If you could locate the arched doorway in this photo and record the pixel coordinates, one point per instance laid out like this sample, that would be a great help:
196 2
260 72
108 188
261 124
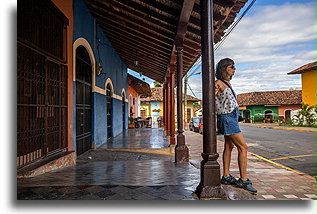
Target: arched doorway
268 116
83 100
123 111
131 106
246 116
109 110
287 114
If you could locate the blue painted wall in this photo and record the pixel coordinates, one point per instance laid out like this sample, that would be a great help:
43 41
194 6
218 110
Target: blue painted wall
113 67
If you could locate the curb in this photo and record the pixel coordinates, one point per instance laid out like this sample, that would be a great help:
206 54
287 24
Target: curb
160 151
290 129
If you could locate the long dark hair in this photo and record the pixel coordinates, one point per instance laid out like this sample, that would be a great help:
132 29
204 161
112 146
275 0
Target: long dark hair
221 68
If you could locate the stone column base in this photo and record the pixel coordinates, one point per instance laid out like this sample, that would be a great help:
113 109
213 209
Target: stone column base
181 150
211 193
181 153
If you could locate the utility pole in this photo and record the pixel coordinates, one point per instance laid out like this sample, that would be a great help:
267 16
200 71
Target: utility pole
185 101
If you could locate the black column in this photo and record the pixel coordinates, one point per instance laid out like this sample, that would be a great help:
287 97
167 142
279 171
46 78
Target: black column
209 186
181 150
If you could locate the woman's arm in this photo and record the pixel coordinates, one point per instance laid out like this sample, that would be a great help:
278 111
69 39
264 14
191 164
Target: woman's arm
217 87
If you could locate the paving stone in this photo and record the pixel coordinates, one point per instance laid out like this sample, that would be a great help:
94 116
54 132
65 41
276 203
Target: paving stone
268 196
113 175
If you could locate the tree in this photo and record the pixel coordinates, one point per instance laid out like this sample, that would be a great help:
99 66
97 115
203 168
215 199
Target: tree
305 116
157 84
196 105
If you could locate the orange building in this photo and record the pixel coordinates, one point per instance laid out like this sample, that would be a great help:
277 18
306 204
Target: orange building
44 80
136 89
66 7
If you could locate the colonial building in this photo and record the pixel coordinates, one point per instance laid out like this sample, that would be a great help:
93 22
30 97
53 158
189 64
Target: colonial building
308 74
71 83
136 89
72 60
153 106
269 106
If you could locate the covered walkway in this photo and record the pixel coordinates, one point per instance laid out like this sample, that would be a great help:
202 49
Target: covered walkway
118 171
145 170
113 173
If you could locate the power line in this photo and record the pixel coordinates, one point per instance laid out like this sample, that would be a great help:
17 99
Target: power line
192 91
234 25
198 62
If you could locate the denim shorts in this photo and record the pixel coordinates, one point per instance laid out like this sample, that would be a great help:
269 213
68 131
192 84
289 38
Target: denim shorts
227 124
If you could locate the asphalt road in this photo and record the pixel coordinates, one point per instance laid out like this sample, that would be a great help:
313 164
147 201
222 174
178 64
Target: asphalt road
294 149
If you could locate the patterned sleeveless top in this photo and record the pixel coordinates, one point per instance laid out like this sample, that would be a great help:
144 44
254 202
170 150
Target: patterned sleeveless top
225 102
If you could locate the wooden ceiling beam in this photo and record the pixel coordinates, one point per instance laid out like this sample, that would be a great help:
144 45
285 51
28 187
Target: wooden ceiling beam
145 50
141 61
122 8
131 21
111 23
163 7
134 38
156 68
150 75
184 16
151 13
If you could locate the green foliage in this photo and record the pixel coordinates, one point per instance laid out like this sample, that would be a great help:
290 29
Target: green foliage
157 84
196 105
131 119
305 116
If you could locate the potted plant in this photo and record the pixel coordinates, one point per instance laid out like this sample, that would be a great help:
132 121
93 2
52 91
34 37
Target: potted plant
131 122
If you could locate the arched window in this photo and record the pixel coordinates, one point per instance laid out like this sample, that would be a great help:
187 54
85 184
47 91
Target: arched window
109 110
123 111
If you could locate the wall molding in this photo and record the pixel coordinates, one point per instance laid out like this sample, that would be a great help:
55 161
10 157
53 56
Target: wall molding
94 88
85 43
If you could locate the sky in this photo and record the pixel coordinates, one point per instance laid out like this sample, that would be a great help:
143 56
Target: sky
272 39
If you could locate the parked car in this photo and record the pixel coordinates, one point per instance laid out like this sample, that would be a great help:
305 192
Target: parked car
193 124
200 126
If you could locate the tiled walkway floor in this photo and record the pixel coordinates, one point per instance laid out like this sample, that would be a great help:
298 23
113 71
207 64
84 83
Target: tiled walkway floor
272 182
106 175
138 138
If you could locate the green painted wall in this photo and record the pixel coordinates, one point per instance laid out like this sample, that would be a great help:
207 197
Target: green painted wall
254 110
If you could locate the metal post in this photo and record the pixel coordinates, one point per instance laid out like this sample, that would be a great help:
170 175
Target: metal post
181 150
185 101
209 186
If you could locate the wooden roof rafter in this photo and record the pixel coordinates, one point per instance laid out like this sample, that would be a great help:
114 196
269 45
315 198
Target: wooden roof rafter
146 30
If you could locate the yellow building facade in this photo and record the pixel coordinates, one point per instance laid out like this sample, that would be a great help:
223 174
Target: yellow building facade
309 87
308 76
153 106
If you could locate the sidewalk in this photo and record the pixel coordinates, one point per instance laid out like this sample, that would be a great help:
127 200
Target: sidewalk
123 175
276 126
273 182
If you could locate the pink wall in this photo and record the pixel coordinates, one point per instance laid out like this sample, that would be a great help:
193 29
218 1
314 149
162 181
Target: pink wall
134 95
281 109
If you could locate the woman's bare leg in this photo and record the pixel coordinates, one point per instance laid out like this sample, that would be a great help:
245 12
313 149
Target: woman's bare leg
239 142
226 158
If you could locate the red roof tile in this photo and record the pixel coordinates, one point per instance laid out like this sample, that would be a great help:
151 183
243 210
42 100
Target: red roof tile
270 98
157 95
308 67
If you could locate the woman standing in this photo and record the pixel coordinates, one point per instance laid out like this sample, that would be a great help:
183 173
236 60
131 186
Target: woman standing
227 123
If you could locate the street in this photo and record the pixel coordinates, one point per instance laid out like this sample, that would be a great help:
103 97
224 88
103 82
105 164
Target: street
294 149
